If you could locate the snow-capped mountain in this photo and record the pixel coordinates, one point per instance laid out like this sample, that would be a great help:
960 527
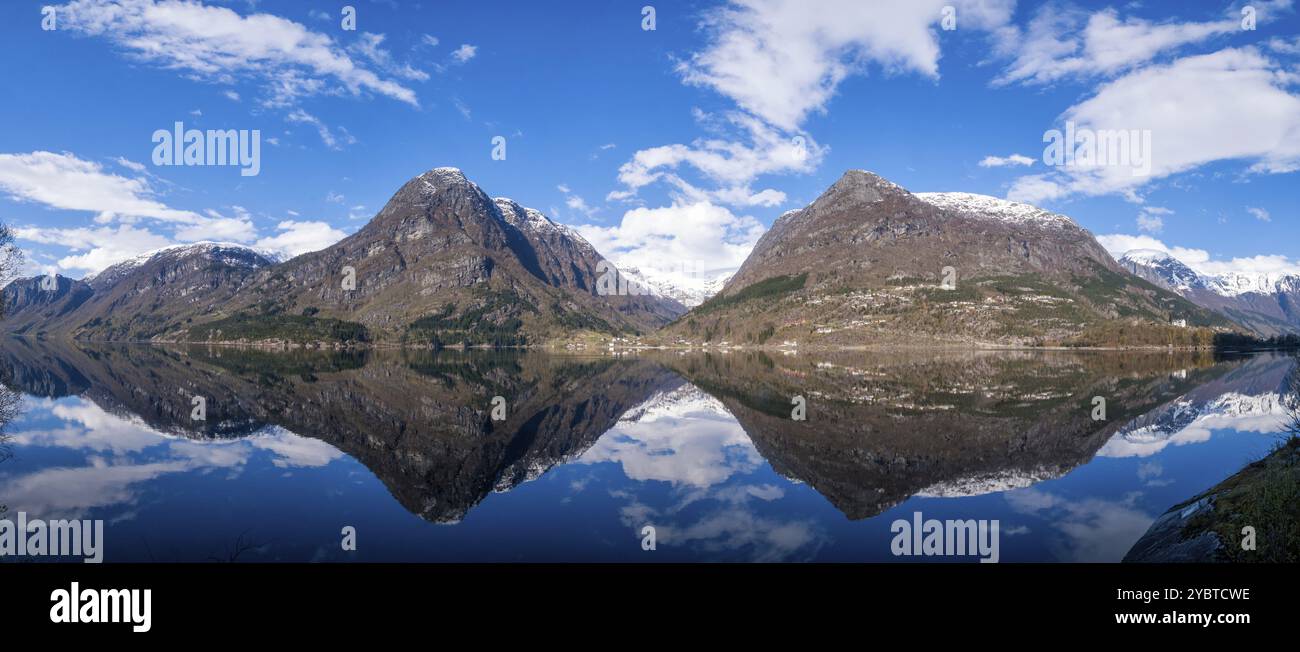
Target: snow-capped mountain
688 287
1003 210
1162 269
235 255
1266 302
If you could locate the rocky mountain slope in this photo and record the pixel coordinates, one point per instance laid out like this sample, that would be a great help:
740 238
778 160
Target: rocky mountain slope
442 263
1268 304
869 262
151 296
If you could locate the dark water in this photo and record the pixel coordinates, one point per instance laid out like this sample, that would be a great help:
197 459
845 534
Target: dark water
402 447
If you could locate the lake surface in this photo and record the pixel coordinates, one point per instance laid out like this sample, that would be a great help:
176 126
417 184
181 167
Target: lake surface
403 447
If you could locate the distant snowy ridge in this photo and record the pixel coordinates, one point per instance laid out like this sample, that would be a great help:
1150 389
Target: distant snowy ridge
1002 210
1180 276
183 250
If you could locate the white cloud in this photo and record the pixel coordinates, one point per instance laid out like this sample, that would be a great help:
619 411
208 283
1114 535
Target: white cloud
430 40
368 45
66 182
1150 223
1260 214
326 135
699 236
575 202
219 45
781 60
464 53
1004 161
297 238
94 249
731 164
1200 259
1063 42
1229 105
130 165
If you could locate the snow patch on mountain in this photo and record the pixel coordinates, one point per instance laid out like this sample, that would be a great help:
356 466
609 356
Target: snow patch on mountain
222 249
991 483
688 287
1003 210
1180 276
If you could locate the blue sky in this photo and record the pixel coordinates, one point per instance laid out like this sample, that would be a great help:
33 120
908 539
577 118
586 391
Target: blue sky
673 146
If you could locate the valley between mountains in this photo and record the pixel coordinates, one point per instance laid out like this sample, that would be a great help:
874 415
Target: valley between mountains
868 263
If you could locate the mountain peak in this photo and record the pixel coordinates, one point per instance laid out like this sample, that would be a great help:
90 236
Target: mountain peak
1146 256
863 179
856 188
445 178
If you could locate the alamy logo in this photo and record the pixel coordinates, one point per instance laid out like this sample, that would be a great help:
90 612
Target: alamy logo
57 538
612 283
1083 147
78 605
233 147
950 538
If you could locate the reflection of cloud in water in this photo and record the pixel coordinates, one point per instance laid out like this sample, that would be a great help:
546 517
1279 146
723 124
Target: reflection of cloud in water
1263 414
688 439
87 426
293 451
684 437
1092 529
114 479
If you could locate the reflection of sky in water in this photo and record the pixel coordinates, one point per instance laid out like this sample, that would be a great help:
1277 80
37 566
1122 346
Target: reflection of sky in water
679 462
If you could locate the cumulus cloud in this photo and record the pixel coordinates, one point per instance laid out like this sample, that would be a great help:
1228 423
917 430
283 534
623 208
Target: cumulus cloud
780 61
1200 259
1229 105
94 249
700 237
219 45
297 238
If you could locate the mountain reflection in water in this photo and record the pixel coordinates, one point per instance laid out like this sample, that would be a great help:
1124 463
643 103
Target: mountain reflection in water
402 446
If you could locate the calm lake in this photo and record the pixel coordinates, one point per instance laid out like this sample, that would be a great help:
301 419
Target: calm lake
403 446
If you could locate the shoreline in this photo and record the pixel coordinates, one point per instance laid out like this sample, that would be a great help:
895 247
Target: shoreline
605 347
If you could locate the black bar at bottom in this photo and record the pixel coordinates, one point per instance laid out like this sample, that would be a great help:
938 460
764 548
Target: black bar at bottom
235 600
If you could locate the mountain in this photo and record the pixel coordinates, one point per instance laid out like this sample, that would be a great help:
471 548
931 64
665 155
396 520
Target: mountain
1267 303
689 288
152 296
442 263
32 303
866 263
